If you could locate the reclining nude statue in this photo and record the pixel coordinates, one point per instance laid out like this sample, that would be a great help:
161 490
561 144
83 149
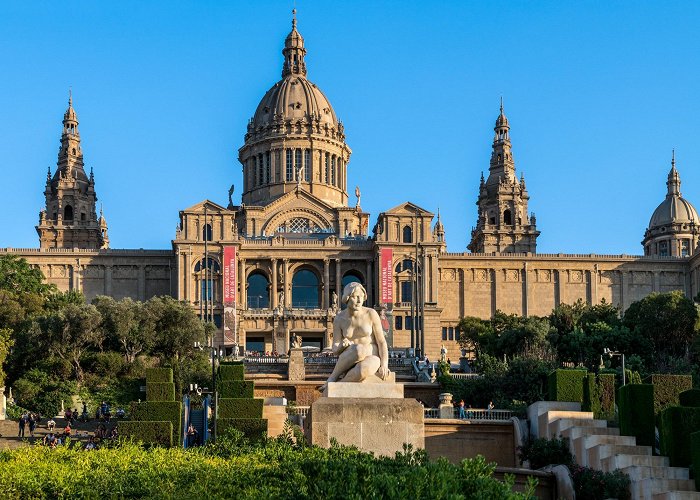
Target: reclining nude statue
358 341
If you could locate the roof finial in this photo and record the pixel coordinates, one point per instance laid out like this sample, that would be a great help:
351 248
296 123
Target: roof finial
673 158
501 104
70 97
294 18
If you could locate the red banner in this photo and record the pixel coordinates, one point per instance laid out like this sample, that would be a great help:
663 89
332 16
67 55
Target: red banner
230 275
386 276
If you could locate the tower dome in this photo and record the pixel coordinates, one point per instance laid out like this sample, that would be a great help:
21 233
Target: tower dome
294 140
673 227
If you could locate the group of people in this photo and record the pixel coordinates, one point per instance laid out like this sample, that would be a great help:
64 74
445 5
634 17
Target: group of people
468 412
30 420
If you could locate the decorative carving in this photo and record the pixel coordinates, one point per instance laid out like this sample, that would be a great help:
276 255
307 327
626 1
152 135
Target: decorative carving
576 276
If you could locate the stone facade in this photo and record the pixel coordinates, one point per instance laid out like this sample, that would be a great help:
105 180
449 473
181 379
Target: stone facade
299 240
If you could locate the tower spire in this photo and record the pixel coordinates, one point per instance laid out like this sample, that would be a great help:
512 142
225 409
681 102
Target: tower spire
294 51
674 179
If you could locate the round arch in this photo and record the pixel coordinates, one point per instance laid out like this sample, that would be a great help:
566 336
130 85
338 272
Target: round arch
258 290
306 289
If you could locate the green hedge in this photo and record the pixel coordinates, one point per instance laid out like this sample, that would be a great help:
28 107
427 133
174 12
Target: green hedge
148 432
695 457
690 398
599 395
676 425
159 375
636 412
160 391
235 389
231 371
566 385
667 388
160 411
254 428
240 408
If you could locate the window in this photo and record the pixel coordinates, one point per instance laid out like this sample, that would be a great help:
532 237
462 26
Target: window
507 217
290 167
398 322
261 170
404 265
305 290
333 170
82 215
663 248
444 333
685 248
408 323
207 284
407 234
267 167
297 162
350 277
206 287
451 333
258 291
327 167
406 291
255 171
206 232
255 344
307 165
68 213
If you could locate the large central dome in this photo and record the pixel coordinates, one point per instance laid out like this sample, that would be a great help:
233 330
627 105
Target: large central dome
294 140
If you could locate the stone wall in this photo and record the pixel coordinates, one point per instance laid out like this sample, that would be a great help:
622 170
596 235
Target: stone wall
456 440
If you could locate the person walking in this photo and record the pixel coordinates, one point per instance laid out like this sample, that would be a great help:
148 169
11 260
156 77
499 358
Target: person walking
462 415
32 424
22 424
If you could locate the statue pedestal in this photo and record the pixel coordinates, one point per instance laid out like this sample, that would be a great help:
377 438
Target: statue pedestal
296 369
380 425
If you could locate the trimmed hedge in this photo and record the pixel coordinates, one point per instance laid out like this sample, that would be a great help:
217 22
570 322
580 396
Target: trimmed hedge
690 398
566 385
159 375
231 371
160 391
240 408
235 389
667 388
695 457
255 429
153 433
677 424
599 395
636 412
160 411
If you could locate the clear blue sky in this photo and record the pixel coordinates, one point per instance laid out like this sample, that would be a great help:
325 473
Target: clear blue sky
597 94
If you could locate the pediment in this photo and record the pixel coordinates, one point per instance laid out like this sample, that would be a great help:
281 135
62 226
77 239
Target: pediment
298 205
211 207
408 208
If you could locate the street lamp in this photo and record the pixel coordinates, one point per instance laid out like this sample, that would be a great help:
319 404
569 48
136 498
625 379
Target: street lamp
610 353
215 353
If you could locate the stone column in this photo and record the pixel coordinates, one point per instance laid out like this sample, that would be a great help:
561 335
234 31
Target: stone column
187 278
526 308
326 283
594 284
242 280
656 281
624 279
369 278
142 282
3 404
108 281
273 285
76 275
286 285
338 280
556 275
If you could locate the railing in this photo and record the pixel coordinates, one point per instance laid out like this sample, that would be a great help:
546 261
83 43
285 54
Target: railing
321 360
399 362
465 376
266 360
302 411
472 414
431 413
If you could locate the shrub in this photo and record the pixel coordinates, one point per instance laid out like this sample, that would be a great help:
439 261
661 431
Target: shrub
159 375
636 412
229 370
566 385
542 451
695 457
676 425
160 391
147 432
690 398
240 408
254 429
667 388
160 411
597 485
599 395
235 389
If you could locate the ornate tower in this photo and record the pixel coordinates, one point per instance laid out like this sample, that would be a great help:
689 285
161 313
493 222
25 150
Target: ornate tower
294 140
503 224
70 219
673 228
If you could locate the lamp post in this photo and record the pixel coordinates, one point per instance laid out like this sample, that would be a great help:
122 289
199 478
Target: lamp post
215 353
610 353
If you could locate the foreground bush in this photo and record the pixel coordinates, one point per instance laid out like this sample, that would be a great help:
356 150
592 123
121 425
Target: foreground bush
541 452
597 485
235 469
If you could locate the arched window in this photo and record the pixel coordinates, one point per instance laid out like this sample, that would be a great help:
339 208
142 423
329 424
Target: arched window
290 167
206 232
507 217
407 234
68 213
352 277
305 290
258 291
404 265
207 278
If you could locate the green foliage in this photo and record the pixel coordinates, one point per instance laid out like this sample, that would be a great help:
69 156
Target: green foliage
667 388
17 276
695 457
542 451
41 392
567 385
148 432
254 429
160 411
127 325
599 395
159 375
235 389
240 408
636 412
229 370
593 484
277 469
690 398
676 425
6 343
160 391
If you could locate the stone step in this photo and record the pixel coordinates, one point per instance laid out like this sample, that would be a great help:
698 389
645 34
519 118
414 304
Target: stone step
541 407
546 418
647 488
556 427
580 446
613 462
639 472
601 451
677 495
573 433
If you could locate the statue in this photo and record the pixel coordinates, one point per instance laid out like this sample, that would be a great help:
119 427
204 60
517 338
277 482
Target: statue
296 342
230 197
298 172
280 300
334 301
357 193
358 340
443 353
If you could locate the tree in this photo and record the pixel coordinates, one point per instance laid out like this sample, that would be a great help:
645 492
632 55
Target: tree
17 276
475 333
5 345
126 324
176 326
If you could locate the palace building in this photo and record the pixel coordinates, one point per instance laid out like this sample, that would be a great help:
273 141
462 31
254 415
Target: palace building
275 265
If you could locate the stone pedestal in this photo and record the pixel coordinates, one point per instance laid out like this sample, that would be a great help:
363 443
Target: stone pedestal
446 408
295 368
3 404
377 425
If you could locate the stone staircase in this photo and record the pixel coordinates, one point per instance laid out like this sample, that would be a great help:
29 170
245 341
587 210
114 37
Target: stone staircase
276 416
595 445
